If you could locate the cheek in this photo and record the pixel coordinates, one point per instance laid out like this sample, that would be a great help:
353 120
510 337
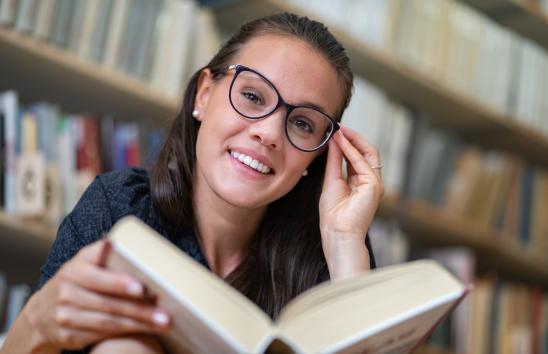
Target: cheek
296 163
218 126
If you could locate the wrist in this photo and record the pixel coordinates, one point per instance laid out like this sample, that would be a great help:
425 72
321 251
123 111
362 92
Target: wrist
26 336
346 255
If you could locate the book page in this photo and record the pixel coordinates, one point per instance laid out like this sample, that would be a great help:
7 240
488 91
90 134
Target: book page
340 315
209 315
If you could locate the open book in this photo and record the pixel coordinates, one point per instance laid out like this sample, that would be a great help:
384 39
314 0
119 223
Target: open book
390 310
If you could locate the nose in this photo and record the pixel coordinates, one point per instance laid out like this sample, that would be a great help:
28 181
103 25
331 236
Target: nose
269 131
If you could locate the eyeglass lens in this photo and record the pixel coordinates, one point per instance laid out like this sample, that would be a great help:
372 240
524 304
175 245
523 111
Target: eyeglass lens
253 97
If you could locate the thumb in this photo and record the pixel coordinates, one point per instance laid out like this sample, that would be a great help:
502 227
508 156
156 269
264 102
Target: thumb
97 253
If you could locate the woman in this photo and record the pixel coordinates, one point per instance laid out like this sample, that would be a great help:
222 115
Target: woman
249 183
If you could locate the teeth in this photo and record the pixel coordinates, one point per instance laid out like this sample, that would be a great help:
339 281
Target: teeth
249 161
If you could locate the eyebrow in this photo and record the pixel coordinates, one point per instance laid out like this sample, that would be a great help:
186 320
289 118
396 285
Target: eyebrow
312 105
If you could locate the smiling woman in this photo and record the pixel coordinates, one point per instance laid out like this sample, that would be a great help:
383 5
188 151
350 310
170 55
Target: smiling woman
249 183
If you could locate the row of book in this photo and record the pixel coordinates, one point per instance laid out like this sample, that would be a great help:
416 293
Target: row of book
489 188
12 299
49 157
455 46
496 317
161 42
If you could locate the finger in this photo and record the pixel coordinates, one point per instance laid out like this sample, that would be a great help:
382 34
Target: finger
101 280
350 170
364 147
85 299
333 168
353 156
75 318
361 144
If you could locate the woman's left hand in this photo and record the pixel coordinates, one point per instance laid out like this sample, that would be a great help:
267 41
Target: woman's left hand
347 206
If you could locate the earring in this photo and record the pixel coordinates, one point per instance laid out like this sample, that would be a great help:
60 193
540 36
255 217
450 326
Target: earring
195 113
305 173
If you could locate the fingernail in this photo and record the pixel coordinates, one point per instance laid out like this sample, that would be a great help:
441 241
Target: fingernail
160 318
135 288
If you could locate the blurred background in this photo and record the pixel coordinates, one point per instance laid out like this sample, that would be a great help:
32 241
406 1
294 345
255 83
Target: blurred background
454 95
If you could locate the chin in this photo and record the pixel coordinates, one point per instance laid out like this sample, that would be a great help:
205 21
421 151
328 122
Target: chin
244 196
243 202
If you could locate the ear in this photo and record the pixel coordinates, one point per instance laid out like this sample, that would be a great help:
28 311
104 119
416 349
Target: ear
204 86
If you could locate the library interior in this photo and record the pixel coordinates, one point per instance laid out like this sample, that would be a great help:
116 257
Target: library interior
452 93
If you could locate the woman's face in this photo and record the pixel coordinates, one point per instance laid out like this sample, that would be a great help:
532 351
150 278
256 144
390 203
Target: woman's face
302 76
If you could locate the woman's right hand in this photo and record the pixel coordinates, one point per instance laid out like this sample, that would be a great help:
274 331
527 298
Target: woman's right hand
85 303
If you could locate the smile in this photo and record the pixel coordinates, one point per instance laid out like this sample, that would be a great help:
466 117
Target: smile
250 162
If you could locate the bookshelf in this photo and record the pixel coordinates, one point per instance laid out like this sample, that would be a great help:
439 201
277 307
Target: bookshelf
475 122
29 64
430 349
525 17
433 226
24 246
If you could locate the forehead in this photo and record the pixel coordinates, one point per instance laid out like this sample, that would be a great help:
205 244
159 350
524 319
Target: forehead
299 72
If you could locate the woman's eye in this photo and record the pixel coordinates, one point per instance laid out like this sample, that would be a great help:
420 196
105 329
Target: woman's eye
303 125
252 97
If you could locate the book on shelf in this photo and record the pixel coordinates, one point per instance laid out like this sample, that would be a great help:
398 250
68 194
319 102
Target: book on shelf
388 310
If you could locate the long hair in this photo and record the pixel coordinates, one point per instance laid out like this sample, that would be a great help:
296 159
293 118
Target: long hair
285 256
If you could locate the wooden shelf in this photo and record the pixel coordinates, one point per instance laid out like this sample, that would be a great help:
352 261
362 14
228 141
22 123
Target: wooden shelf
526 18
26 232
433 226
40 71
475 122
430 349
24 246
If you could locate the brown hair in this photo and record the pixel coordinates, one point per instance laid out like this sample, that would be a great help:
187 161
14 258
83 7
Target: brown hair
286 254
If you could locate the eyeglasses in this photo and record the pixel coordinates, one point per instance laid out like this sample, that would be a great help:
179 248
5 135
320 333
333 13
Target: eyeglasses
255 97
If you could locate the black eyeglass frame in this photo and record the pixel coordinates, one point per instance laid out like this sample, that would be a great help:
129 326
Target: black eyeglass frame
238 68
